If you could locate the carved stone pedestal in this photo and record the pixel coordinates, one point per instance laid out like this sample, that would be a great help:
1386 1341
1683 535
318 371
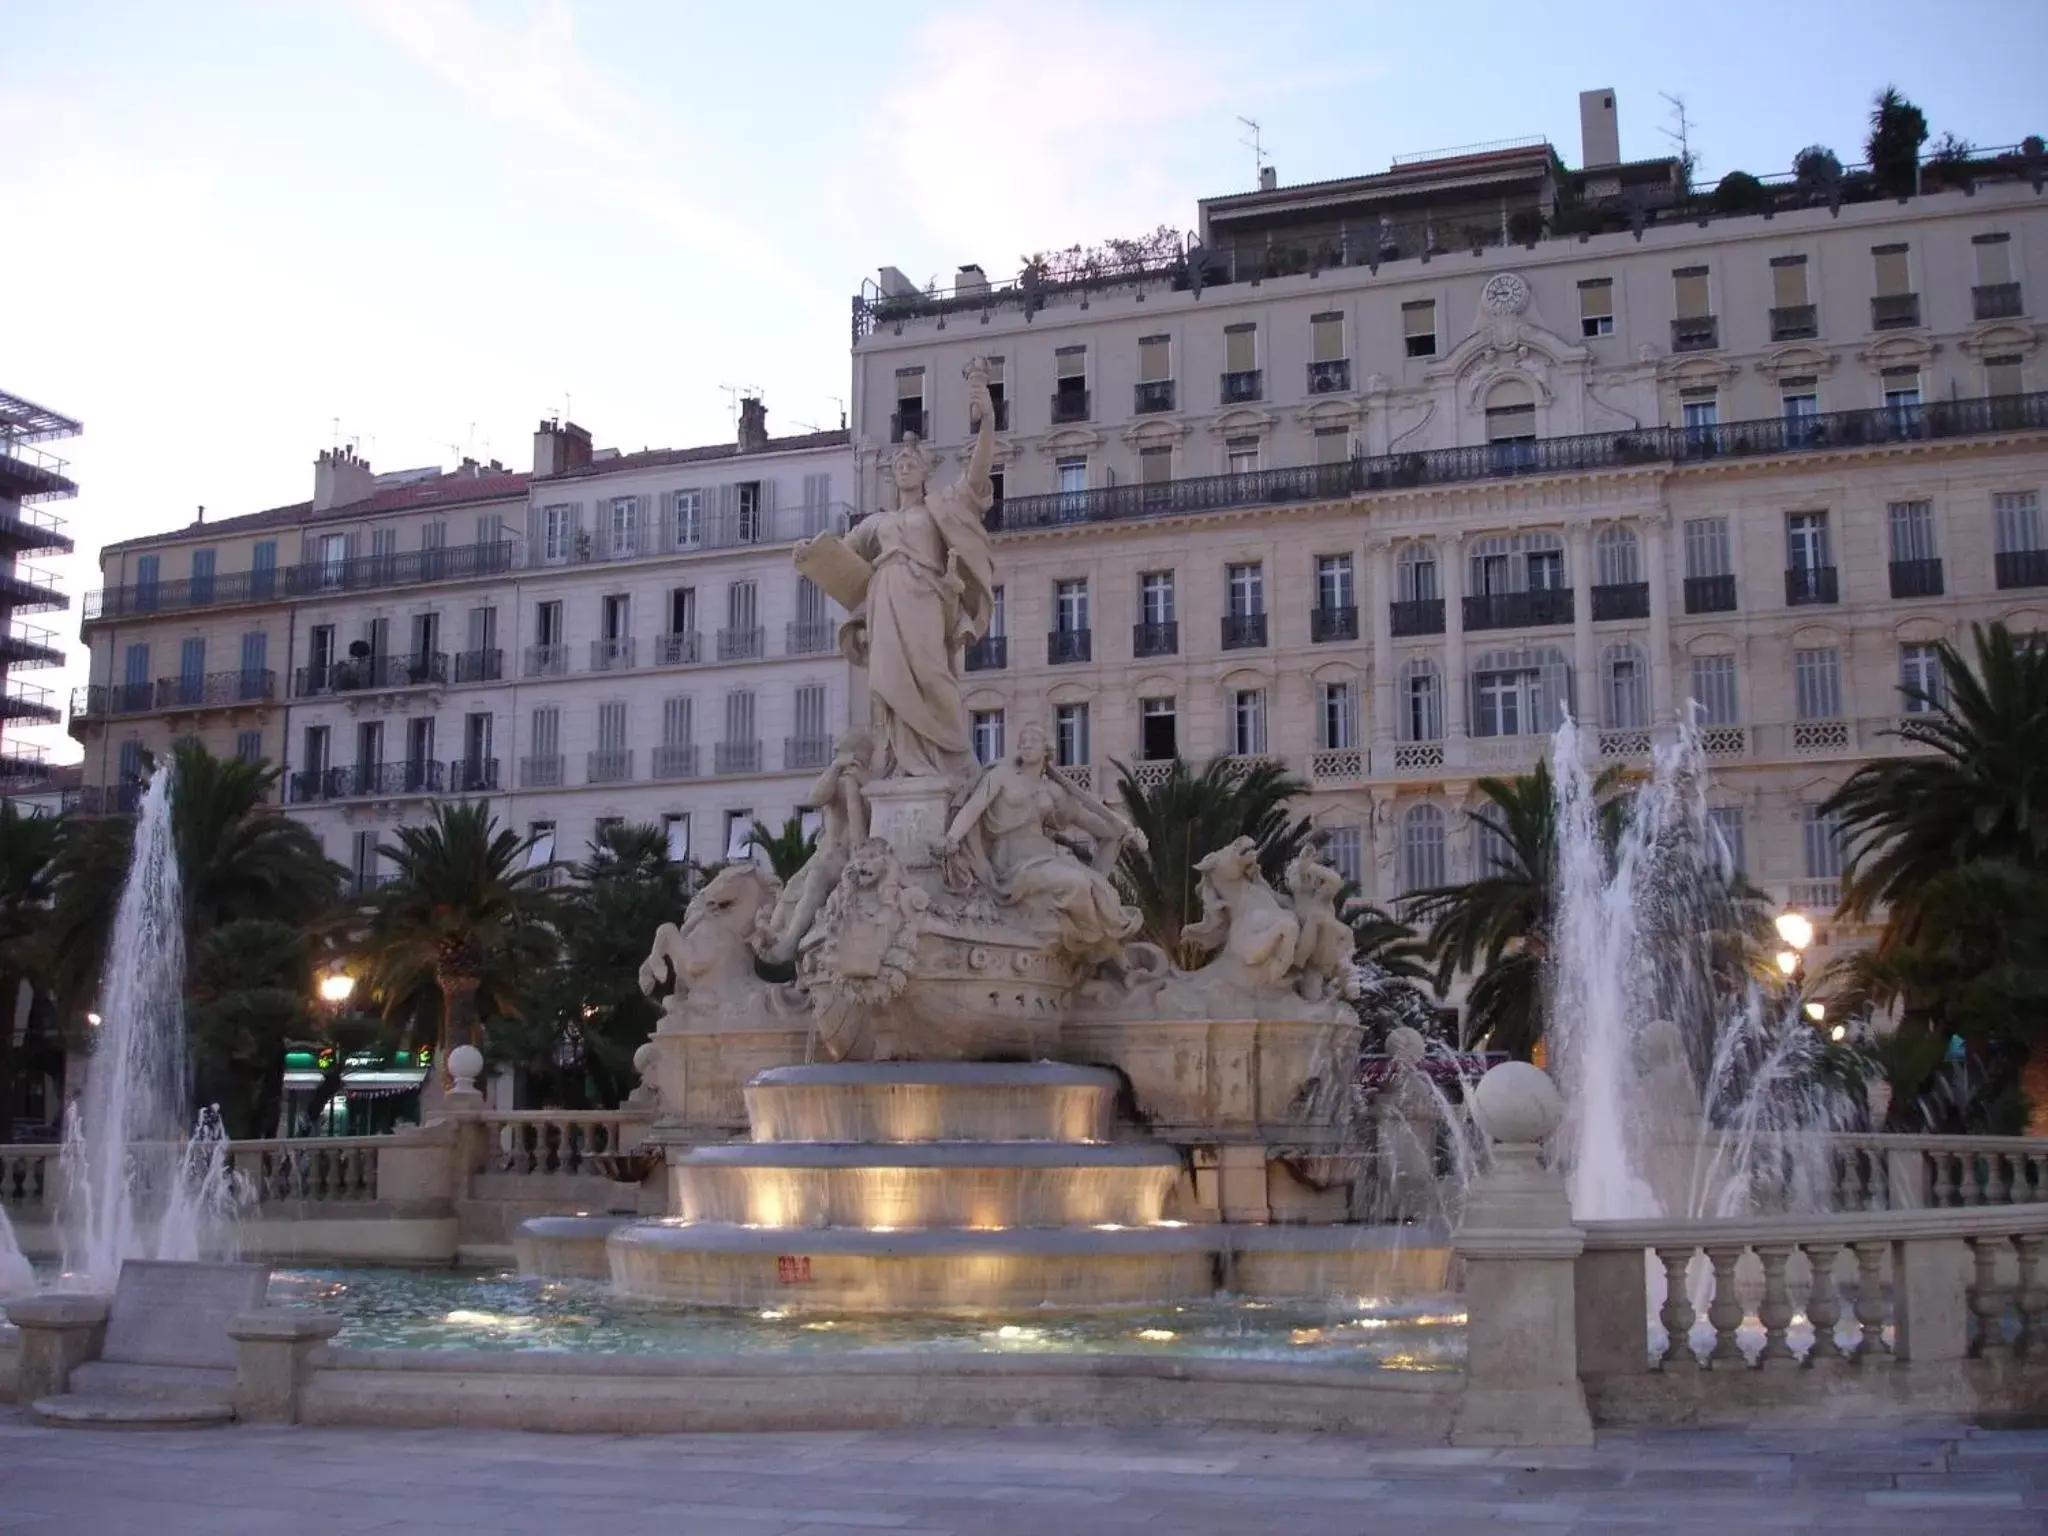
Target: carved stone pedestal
909 815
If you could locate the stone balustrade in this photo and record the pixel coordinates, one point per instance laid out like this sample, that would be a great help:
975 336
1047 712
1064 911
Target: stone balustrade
1919 1172
316 1170
552 1143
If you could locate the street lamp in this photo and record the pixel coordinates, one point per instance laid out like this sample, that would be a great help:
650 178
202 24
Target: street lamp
336 988
1795 928
1817 1012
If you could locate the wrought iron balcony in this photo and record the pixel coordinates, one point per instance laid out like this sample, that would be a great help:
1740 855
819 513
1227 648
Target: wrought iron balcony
33 531
1417 616
609 765
1069 405
1243 631
1330 377
543 771
361 674
1153 395
364 573
737 757
1894 311
805 753
1767 437
105 799
1809 584
363 781
1519 610
991 653
547 660
479 666
1696 333
1710 594
1916 578
1063 646
742 644
1794 322
811 637
1243 386
905 420
613 655
99 700
216 689
1996 301
675 760
28 590
681 648
1327 624
473 776
2021 568
1155 639
1622 600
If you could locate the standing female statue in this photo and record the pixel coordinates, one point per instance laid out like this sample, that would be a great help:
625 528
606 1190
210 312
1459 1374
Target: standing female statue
918 581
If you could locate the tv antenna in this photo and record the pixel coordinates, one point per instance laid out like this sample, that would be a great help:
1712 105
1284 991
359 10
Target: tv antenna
1681 136
1252 142
735 393
836 400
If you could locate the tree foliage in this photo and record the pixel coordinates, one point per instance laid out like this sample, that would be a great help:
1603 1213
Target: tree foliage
787 848
29 847
249 996
1897 130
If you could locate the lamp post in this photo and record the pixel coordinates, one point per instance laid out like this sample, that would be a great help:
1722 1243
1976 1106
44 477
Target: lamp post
336 988
1795 931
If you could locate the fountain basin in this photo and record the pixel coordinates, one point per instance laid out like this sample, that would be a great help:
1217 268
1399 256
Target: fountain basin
934 1101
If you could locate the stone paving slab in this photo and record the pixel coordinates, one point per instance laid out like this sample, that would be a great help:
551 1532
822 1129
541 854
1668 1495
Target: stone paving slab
1946 1477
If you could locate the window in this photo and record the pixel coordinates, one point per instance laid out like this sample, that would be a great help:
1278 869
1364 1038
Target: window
476 745
1070 736
318 747
1072 476
1707 551
1335 588
1344 848
1921 681
1155 465
203 564
687 512
1326 337
1245 589
426 640
1155 359
1520 692
1422 849
2018 515
996 609
988 735
1415 574
1158 730
1901 388
739 717
363 858
1618 556
611 726
547 623
369 751
1893 273
910 403
1333 445
1241 455
419 747
675 836
1422 700
249 746
808 708
1070 384
1823 838
1418 327
1701 408
540 844
1817 683
1625 688
263 569
739 833
1800 399
1070 606
1689 293
1725 823
742 606
557 530
1596 307
1523 562
1912 530
615 616
545 733
1240 348
1713 689
682 611
129 769
1511 413
1994 258
1155 597
191 666
1806 541
1248 722
1337 715
678 721
1788 282
625 526
2002 376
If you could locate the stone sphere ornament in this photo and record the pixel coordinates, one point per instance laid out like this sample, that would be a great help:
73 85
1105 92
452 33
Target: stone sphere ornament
465 1065
1517 1104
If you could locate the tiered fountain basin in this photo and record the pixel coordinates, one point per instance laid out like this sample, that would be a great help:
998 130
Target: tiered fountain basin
954 1187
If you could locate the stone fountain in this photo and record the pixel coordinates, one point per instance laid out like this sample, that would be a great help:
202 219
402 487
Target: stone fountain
980 1089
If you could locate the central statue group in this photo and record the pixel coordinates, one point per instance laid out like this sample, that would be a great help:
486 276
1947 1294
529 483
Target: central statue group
959 910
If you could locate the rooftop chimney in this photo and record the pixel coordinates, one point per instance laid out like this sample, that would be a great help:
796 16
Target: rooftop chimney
341 478
753 426
1269 178
1599 129
560 446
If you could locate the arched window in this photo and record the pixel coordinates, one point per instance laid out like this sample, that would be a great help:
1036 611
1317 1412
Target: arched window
1516 562
1422 701
1617 556
1422 849
1415 574
1624 688
1495 853
1524 692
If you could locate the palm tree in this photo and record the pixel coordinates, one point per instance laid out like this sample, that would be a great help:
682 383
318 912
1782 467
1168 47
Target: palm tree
251 996
787 849
1982 794
464 915
28 850
1187 816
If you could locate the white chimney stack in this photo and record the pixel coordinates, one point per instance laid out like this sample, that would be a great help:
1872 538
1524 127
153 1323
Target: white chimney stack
1599 129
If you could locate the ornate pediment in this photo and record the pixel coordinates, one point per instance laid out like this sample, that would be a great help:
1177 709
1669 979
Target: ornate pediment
1155 431
1798 361
1243 421
2001 338
1331 411
1064 442
1507 334
1899 351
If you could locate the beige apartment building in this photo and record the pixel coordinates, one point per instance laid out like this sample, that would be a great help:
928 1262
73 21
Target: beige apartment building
609 636
1380 476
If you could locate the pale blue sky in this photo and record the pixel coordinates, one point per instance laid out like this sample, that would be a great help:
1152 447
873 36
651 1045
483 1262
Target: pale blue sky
229 223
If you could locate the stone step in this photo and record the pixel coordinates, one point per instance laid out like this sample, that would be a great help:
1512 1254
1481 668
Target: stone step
945 1184
158 1383
894 1101
79 1410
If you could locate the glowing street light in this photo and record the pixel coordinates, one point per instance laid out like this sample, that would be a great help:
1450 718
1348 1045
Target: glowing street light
1817 1012
1788 961
93 1019
1839 1033
336 988
1796 929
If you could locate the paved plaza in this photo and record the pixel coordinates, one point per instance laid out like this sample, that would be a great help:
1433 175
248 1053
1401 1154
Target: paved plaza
1032 1482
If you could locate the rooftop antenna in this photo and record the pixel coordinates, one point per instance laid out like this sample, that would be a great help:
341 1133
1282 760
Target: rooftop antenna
1256 145
734 394
337 432
838 401
1681 136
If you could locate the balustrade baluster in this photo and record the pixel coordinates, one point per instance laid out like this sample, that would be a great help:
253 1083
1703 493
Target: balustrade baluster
1994 1179
1775 1310
1944 1178
2037 1164
1987 1297
2030 1298
1725 1311
1870 1348
1823 1303
1677 1313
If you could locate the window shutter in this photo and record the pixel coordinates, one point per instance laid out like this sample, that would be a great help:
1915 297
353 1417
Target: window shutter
1788 282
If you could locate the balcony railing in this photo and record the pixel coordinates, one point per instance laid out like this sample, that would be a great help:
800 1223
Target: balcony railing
1696 333
1794 322
1916 578
541 772
1773 435
363 781
680 648
28 590
1242 387
742 644
1152 395
479 666
1996 301
1894 311
362 673
1710 594
364 573
2021 568
1808 584
675 760
609 765
1328 624
613 655
1243 631
216 689
1623 600
473 776
1519 610
1155 639
811 637
27 530
991 653
547 660
805 752
1329 378
1064 646
737 757
1069 405
1417 616
29 701
29 645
